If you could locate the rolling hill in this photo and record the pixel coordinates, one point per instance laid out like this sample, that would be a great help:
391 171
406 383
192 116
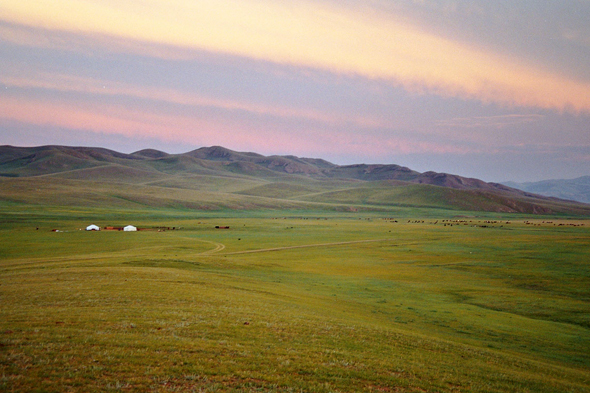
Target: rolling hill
219 178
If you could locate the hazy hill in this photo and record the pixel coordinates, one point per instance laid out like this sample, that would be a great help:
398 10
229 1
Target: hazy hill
216 177
572 189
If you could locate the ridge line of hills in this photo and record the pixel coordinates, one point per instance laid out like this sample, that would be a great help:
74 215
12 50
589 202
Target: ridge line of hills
216 177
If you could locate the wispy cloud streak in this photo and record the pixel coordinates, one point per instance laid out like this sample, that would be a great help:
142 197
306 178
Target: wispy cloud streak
320 35
95 87
499 121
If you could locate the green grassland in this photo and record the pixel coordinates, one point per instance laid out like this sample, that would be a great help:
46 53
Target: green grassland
300 296
329 279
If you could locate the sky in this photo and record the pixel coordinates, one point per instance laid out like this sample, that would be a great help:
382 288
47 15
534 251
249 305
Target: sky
496 90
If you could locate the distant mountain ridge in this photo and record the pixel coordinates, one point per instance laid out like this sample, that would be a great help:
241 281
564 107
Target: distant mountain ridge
258 179
572 189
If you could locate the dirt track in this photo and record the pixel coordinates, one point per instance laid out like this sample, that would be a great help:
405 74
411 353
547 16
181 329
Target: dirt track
218 247
302 246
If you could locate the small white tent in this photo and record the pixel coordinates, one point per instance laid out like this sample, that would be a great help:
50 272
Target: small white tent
92 228
130 228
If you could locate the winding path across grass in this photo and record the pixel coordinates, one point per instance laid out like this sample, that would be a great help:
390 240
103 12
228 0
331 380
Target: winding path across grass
218 247
304 246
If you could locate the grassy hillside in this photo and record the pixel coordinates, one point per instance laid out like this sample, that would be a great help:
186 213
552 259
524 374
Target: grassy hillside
219 178
319 302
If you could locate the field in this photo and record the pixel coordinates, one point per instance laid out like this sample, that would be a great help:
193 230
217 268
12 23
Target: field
293 302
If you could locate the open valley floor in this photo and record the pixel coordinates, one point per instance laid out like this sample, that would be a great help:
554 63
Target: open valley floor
288 302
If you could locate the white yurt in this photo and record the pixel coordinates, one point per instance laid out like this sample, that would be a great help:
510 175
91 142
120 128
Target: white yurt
130 228
92 228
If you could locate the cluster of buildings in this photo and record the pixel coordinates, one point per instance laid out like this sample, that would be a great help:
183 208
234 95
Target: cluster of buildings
128 228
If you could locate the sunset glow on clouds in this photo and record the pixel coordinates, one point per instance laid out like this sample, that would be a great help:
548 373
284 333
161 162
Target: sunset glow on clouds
319 36
347 81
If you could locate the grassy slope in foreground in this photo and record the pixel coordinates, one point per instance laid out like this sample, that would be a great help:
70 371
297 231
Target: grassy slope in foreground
326 305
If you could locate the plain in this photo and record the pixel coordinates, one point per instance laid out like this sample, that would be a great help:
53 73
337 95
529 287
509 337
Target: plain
284 300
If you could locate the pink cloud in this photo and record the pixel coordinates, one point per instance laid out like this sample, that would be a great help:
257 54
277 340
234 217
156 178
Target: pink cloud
68 83
196 130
